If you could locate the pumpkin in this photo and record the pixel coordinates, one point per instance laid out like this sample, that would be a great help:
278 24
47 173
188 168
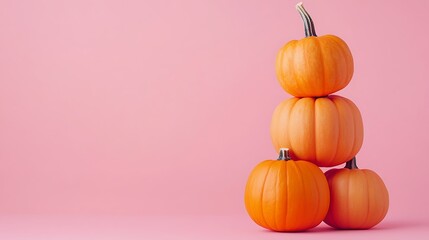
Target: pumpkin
287 195
359 198
314 66
327 131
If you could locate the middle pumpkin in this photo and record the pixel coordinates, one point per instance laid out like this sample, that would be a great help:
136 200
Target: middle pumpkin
327 131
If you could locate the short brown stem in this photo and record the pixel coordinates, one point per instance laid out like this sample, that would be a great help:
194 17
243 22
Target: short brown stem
351 164
284 154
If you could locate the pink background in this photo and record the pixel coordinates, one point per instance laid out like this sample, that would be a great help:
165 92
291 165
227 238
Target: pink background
162 108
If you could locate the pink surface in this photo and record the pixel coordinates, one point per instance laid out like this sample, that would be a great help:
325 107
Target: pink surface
163 107
35 227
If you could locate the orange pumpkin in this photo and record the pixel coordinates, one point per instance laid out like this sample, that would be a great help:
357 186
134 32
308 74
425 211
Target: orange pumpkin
314 66
287 195
326 131
359 198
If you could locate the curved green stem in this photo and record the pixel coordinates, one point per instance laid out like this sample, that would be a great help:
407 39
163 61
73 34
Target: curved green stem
310 31
284 154
351 164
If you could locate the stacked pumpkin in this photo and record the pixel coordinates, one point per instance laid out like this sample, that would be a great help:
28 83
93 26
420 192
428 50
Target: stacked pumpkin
311 130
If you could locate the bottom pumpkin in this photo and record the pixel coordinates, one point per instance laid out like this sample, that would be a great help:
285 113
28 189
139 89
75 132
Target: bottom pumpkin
287 195
359 198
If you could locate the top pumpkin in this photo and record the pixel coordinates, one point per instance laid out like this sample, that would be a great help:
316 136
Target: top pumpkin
314 66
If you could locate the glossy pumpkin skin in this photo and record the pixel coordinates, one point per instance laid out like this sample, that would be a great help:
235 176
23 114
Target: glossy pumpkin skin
314 66
359 199
326 131
287 195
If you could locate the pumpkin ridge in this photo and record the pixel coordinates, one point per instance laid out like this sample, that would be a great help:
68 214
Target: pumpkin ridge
322 59
275 194
354 135
346 67
330 177
352 150
365 223
262 196
315 131
286 193
336 78
301 177
347 212
350 105
315 216
342 46
332 99
254 211
336 148
297 77
349 54
345 57
376 178
295 90
289 116
358 116
316 110
282 168
288 179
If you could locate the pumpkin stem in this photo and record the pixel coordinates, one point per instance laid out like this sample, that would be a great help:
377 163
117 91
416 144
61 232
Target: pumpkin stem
284 154
351 164
310 31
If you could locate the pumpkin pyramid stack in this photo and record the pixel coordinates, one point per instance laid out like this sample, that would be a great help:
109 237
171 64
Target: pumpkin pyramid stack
311 130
